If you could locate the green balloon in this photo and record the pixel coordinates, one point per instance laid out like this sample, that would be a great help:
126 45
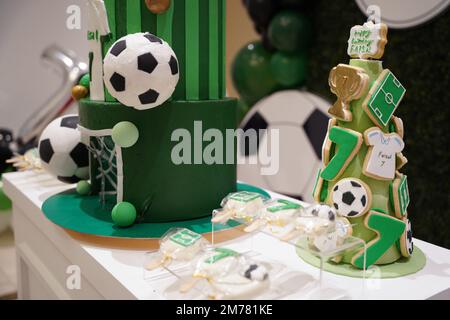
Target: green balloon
289 70
251 73
83 188
124 214
290 31
125 134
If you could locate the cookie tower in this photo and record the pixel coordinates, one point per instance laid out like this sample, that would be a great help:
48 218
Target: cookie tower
156 79
362 152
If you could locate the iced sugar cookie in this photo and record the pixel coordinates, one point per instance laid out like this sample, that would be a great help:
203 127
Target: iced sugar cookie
380 161
399 195
384 98
367 41
347 142
277 213
348 83
406 240
241 205
351 197
178 244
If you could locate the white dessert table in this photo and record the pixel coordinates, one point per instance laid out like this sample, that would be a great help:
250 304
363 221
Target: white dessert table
46 256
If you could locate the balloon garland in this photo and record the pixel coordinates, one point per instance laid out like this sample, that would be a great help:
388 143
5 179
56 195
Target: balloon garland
279 60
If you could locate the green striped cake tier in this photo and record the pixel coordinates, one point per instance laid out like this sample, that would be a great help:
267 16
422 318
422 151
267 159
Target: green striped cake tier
196 31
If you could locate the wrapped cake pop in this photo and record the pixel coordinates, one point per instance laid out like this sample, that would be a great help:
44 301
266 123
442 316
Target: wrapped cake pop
178 244
229 274
278 213
241 205
333 239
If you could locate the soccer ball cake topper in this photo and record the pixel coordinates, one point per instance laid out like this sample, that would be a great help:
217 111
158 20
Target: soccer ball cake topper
61 151
141 71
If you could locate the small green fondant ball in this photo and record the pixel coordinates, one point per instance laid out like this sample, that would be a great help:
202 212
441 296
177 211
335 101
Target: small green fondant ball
85 81
290 31
125 134
83 188
289 69
251 73
124 214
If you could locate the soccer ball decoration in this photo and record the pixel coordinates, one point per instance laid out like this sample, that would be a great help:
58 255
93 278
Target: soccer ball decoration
141 71
301 121
61 151
351 198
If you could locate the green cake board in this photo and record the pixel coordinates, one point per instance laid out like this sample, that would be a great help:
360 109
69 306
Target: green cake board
86 215
400 268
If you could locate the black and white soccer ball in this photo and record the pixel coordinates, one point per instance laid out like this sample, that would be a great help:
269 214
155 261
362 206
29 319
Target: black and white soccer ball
255 272
301 119
322 211
62 152
141 71
351 198
409 245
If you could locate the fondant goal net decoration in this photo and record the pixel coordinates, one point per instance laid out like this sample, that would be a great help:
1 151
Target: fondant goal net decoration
106 164
104 152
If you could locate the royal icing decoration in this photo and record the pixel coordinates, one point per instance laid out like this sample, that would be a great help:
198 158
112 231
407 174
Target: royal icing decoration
348 142
383 99
348 83
367 41
388 230
351 197
399 195
380 161
406 240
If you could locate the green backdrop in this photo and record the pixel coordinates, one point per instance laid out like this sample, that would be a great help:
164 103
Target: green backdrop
420 58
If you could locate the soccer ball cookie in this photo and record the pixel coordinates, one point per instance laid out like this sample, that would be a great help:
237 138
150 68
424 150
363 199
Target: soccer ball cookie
351 197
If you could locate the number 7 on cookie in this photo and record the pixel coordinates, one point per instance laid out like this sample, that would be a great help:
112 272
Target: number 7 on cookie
348 142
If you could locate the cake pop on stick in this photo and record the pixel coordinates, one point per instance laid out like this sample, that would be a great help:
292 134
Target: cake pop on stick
178 244
241 205
277 213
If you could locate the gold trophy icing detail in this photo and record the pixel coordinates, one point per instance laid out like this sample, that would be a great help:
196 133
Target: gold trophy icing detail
348 83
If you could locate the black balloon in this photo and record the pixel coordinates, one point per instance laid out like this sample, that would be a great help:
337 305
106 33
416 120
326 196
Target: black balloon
6 138
261 12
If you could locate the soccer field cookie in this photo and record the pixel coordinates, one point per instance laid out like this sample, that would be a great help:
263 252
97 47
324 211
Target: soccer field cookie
388 230
347 144
380 162
399 195
240 205
383 99
178 244
348 83
367 41
406 240
351 197
277 213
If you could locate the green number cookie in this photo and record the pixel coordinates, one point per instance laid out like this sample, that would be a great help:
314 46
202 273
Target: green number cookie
348 142
388 230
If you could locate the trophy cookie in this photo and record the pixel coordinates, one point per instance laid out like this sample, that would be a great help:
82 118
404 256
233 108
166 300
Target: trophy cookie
348 83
